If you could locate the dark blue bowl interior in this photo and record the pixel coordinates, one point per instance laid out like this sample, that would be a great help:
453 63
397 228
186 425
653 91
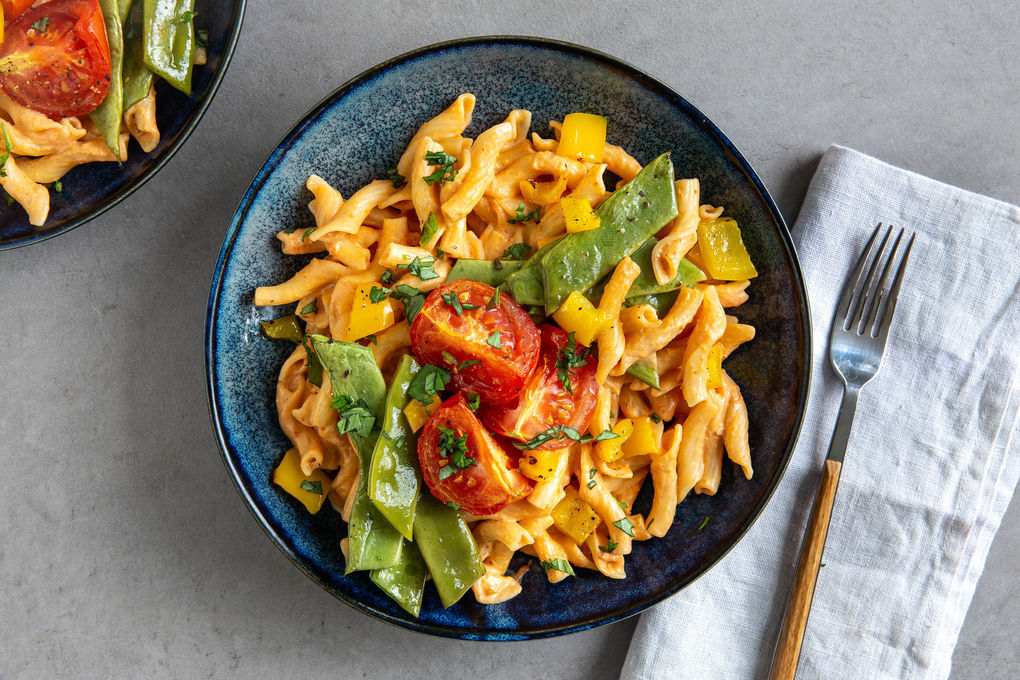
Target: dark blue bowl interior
91 189
353 137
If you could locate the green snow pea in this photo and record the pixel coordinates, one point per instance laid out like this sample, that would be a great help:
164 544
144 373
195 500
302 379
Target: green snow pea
448 548
137 76
108 114
394 478
123 9
373 543
645 374
687 273
405 580
527 285
169 40
661 302
492 272
628 218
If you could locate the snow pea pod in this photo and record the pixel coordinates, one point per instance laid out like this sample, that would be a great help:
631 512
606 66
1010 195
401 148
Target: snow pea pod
373 543
526 286
123 9
628 218
108 114
687 273
492 272
169 40
661 303
394 478
137 76
405 580
448 548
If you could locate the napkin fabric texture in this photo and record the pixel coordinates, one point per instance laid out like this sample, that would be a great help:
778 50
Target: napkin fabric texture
931 464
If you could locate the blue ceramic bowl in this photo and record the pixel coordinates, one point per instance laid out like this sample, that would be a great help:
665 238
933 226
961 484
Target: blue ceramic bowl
92 189
352 137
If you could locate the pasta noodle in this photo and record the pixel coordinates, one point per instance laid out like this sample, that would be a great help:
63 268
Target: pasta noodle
477 204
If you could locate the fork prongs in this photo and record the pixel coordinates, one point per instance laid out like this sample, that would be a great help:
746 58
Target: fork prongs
868 306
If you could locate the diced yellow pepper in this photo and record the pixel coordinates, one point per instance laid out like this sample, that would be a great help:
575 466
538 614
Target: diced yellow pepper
368 317
579 316
311 490
417 415
543 193
715 367
579 215
611 450
646 439
583 137
539 464
723 251
575 517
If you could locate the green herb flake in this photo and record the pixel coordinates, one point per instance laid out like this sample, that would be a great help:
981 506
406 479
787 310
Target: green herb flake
377 294
412 298
58 186
562 432
7 144
494 341
201 37
10 199
656 418
440 253
517 251
429 382
704 523
422 268
609 548
521 216
312 487
41 24
308 232
186 16
290 230
494 300
371 339
570 358
387 277
559 564
473 401
395 177
622 505
310 308
453 445
453 505
429 229
625 525
453 301
354 415
443 164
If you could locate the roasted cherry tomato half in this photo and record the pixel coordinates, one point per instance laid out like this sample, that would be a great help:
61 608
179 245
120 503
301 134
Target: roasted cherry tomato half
462 463
490 352
546 401
55 58
12 8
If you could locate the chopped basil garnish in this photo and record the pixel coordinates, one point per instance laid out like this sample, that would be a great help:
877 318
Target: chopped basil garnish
430 381
387 276
522 217
440 253
453 505
656 418
412 298
517 251
494 300
377 294
308 232
473 401
395 177
562 432
609 548
559 564
41 24
429 229
7 143
371 338
453 301
570 358
704 523
58 186
354 415
443 164
592 482
494 341
312 487
310 308
186 16
453 446
421 268
625 525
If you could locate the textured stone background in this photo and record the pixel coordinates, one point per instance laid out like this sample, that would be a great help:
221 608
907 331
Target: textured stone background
124 549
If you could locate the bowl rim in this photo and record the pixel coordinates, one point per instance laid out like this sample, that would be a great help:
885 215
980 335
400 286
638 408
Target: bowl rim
168 153
258 181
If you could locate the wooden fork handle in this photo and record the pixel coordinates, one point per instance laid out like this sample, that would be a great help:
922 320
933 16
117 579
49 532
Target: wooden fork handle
784 663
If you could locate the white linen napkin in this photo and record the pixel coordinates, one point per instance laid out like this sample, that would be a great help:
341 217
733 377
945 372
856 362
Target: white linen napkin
931 464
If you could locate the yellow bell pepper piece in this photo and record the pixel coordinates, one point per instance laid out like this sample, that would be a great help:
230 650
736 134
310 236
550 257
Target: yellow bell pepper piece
715 367
368 317
583 137
723 251
579 215
539 464
311 490
579 316
646 438
417 415
575 517
611 450
543 193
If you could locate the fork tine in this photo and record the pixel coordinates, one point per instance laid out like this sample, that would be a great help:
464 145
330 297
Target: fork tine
875 301
867 289
851 288
890 308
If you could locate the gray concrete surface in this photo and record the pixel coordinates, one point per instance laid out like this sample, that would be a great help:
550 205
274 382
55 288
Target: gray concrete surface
124 549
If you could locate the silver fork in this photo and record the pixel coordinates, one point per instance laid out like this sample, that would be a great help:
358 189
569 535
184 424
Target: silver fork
857 341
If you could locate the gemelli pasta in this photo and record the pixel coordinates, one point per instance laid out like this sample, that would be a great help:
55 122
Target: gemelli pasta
493 347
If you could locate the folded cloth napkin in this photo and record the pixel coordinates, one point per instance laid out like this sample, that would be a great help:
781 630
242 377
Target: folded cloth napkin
931 464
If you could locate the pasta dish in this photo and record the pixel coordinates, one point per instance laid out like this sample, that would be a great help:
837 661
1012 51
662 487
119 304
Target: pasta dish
77 80
497 345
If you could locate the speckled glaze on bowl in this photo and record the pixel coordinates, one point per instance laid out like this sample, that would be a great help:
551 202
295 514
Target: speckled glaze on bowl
92 189
358 132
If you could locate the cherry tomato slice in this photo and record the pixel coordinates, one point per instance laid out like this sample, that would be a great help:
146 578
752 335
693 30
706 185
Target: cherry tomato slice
490 352
463 464
13 8
545 401
55 58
